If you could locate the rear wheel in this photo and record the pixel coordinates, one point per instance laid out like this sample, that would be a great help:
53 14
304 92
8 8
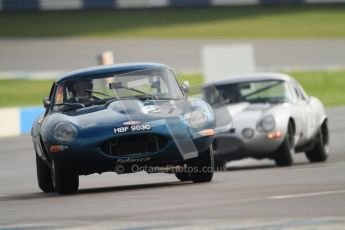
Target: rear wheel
64 180
321 149
283 156
44 177
203 167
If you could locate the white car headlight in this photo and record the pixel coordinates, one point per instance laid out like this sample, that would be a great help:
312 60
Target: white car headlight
197 118
266 124
65 131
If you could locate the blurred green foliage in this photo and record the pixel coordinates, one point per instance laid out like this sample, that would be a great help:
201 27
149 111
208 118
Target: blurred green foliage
319 21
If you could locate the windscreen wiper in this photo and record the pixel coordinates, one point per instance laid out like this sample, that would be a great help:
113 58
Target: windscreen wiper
101 93
107 101
262 89
138 91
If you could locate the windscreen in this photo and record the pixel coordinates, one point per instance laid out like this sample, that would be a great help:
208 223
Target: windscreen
268 91
148 84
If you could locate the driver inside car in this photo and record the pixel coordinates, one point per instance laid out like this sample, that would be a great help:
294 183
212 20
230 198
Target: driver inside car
81 91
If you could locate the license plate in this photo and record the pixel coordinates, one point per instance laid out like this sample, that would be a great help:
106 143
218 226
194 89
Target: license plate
132 128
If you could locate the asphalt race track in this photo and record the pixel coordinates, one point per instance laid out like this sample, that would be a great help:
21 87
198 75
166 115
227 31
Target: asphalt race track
181 54
249 195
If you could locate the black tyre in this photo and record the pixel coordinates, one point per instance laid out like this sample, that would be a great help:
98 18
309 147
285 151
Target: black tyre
219 165
283 156
183 176
64 180
44 177
321 149
203 167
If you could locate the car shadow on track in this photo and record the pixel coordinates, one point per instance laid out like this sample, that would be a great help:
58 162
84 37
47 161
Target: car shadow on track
132 187
42 195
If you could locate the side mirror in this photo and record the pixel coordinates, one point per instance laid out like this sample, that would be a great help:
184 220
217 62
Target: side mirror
46 102
185 86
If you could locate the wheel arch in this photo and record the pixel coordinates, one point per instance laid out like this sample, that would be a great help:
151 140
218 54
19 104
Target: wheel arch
292 121
324 121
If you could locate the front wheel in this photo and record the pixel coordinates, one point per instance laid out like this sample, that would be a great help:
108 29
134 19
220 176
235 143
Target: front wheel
203 167
44 177
321 149
219 165
183 176
64 180
283 155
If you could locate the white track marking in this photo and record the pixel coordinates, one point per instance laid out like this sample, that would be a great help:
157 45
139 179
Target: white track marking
307 194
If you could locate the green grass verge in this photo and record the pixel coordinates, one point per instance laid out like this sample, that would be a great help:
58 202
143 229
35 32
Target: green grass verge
327 86
23 92
320 21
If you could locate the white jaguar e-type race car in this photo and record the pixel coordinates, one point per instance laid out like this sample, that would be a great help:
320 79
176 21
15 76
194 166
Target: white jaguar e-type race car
272 117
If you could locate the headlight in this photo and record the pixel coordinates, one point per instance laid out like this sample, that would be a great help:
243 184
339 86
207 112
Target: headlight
65 131
197 118
266 124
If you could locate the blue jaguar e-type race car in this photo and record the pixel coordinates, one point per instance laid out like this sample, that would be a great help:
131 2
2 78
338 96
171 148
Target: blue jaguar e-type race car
123 118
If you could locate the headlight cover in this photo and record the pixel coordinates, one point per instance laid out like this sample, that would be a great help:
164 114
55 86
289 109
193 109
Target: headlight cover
65 131
197 118
266 124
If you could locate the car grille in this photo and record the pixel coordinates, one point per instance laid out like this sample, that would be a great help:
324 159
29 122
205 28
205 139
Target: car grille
134 145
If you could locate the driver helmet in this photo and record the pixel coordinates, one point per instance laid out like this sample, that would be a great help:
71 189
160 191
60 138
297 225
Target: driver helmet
82 89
